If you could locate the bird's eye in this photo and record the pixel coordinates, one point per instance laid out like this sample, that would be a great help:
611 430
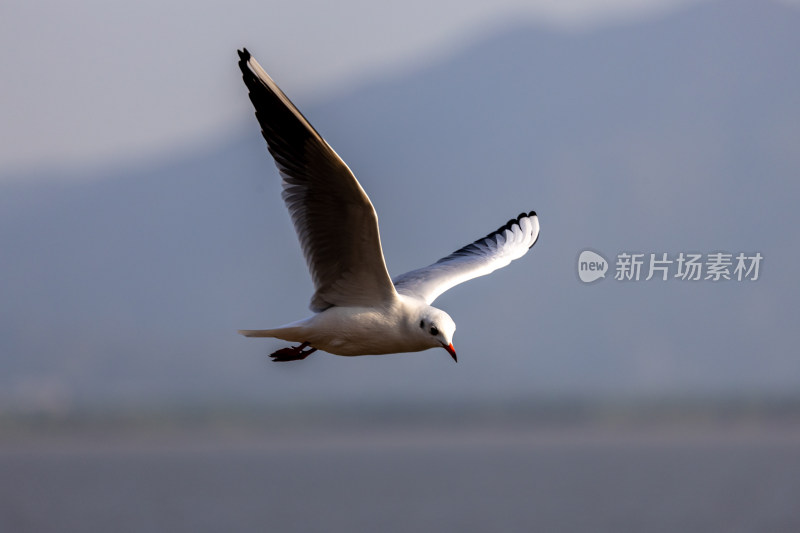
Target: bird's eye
434 331
422 324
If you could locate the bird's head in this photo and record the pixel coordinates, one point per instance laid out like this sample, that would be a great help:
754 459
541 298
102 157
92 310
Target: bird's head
437 328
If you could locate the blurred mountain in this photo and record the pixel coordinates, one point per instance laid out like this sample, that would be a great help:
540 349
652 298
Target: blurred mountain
126 285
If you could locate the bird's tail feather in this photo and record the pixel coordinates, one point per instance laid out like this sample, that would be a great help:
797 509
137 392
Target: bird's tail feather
260 332
287 333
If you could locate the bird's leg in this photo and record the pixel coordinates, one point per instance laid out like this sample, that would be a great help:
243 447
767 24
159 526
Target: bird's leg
292 353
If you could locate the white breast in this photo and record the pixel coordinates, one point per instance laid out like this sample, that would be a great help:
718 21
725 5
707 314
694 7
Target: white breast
363 331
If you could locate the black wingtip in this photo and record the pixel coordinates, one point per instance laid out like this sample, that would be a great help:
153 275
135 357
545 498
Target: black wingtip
244 57
468 249
515 221
523 215
533 214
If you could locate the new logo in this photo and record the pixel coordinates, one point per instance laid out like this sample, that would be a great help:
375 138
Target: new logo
591 266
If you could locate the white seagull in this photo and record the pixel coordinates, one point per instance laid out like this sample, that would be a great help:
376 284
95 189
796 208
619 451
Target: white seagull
358 309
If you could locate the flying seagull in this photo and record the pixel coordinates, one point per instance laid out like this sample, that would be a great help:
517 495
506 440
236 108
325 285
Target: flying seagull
358 308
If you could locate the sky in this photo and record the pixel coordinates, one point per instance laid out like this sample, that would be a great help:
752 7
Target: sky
682 110
92 82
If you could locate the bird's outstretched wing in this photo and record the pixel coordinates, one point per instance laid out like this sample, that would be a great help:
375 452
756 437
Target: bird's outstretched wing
496 250
332 215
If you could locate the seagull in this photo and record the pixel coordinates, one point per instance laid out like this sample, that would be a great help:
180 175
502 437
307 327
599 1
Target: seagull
358 308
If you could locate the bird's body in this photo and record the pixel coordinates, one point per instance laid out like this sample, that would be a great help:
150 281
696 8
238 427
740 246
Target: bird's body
366 330
358 308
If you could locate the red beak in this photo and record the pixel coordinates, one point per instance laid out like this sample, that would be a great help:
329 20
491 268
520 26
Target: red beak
451 351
